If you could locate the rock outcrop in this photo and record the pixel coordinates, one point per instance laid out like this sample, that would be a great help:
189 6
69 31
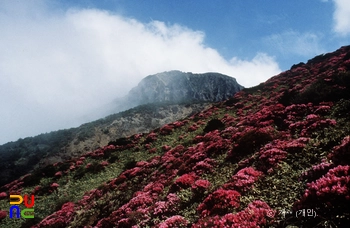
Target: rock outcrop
177 86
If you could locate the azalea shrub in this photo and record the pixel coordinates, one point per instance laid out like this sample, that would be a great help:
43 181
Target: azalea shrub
341 153
151 137
175 221
272 157
257 214
323 90
316 171
219 202
60 218
243 179
200 186
248 143
3 195
3 214
330 194
184 181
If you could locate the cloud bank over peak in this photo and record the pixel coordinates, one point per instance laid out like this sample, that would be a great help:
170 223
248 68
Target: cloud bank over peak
58 65
341 17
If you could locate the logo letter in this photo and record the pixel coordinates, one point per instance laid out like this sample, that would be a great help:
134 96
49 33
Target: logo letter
17 211
27 210
26 201
20 199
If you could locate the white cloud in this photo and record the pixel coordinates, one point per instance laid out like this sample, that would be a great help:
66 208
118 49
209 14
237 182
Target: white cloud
254 71
293 42
341 17
56 66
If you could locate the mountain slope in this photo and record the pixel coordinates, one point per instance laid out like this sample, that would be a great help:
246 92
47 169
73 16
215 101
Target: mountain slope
255 160
20 157
164 98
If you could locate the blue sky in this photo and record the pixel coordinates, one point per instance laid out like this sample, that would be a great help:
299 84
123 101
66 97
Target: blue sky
62 61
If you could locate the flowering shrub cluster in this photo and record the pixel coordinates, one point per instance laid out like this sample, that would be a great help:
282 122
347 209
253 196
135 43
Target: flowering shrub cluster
323 109
341 153
249 141
243 180
317 171
54 186
172 158
333 188
140 209
295 145
215 144
178 124
185 180
166 148
219 202
317 125
310 125
166 129
205 166
272 157
151 137
257 214
167 207
175 221
194 127
135 211
58 174
36 190
296 110
196 158
3 195
200 186
3 214
59 218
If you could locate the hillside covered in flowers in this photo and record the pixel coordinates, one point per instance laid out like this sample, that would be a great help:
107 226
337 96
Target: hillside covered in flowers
274 155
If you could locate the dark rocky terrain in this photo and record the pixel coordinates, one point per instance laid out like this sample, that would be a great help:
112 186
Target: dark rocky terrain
274 155
177 86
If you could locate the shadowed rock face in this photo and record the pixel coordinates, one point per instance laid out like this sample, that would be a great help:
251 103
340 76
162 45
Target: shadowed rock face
177 86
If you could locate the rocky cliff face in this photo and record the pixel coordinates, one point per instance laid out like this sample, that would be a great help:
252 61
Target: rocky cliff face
177 86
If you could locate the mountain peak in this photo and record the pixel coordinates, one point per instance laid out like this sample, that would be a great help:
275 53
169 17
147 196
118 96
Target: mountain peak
175 86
